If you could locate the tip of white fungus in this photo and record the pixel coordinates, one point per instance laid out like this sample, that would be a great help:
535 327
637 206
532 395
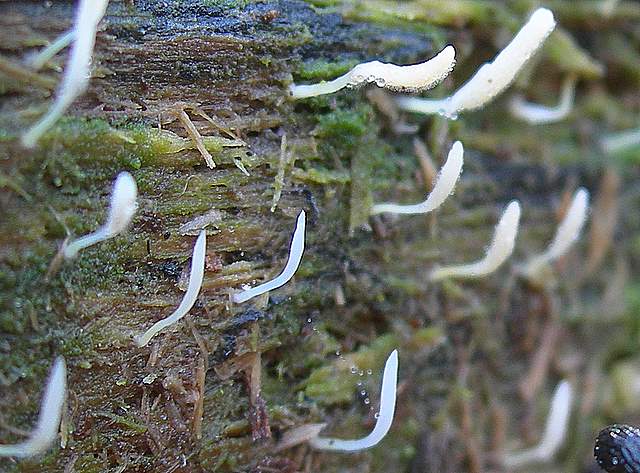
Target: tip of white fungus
296 249
554 434
383 422
543 19
46 430
123 203
502 245
443 187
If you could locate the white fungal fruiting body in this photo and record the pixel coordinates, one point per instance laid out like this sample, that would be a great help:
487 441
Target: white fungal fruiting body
195 283
491 78
44 435
77 71
295 256
385 415
539 114
554 433
442 188
568 233
121 210
411 78
504 239
620 141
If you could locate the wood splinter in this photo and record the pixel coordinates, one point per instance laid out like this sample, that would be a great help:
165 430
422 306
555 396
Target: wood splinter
195 135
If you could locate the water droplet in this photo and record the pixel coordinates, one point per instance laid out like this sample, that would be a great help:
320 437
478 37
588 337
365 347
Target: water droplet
309 320
354 370
369 372
367 401
380 82
337 352
376 415
363 393
361 373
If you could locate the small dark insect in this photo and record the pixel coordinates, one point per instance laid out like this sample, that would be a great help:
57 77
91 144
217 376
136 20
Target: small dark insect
617 449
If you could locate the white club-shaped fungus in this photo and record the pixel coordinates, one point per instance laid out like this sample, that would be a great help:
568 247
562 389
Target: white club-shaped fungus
121 210
504 239
492 78
195 283
567 234
410 78
442 188
539 114
77 72
44 435
385 415
295 256
554 433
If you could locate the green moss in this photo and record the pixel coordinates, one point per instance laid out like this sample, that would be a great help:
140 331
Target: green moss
336 382
322 69
568 56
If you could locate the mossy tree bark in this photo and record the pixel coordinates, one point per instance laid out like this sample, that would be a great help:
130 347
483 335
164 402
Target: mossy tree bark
218 391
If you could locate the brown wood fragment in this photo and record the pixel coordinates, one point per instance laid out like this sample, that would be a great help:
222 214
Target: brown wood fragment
604 218
297 435
196 137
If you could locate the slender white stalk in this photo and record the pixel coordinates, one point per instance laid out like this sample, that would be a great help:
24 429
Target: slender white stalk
38 61
442 188
412 78
492 78
567 234
504 239
620 141
121 210
77 72
554 435
295 256
195 283
385 415
46 431
539 114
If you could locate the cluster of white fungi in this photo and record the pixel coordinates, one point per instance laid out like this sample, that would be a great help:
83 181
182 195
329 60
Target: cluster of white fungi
488 82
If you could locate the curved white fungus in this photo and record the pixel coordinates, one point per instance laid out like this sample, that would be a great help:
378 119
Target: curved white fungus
442 188
539 114
567 234
416 77
44 435
504 239
385 416
554 433
492 78
121 210
620 141
195 283
295 256
77 73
